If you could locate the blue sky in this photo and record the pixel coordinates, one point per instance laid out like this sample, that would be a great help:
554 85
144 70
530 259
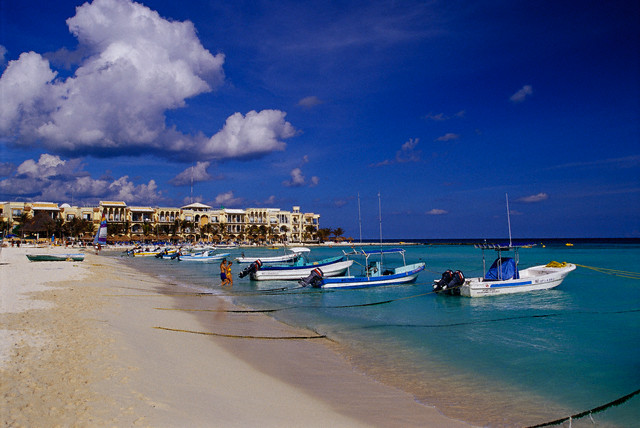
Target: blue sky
442 106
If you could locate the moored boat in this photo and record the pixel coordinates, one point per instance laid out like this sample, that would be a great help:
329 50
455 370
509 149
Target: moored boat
204 256
375 273
333 266
295 253
504 276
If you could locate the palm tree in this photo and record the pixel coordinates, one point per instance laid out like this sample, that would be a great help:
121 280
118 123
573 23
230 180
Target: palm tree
5 226
22 221
284 229
338 232
310 231
253 232
41 223
323 233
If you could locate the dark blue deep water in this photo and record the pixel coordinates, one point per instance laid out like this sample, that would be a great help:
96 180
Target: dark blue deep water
513 360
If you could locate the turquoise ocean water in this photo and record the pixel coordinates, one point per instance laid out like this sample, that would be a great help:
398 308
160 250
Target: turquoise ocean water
515 360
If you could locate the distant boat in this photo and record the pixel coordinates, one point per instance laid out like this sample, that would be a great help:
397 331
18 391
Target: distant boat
375 274
503 277
56 257
140 252
204 256
294 254
568 244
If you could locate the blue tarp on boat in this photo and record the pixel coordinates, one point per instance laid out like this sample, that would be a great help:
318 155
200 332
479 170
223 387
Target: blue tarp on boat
501 271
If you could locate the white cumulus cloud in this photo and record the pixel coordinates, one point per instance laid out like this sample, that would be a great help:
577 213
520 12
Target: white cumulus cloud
257 133
227 199
54 179
138 66
195 174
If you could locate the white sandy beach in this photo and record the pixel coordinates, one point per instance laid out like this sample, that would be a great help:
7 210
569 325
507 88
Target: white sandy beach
79 346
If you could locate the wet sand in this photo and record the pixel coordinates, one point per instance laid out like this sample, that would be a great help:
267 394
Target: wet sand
98 343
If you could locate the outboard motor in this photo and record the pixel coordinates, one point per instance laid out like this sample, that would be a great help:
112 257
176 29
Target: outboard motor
454 285
314 279
253 267
447 276
458 279
176 255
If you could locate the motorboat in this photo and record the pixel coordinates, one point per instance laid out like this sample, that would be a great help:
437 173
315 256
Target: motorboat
294 254
375 272
203 256
504 276
333 266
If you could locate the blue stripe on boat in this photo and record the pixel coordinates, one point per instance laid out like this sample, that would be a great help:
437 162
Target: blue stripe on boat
512 284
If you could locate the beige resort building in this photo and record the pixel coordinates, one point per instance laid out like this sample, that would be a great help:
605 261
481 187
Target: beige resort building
193 222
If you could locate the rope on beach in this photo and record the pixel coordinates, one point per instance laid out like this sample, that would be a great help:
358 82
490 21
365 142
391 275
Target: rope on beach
234 336
589 412
615 272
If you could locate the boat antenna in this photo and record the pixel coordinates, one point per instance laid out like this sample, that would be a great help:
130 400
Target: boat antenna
359 218
508 219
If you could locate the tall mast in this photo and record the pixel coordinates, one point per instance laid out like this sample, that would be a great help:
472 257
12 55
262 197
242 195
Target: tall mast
508 218
380 217
359 218
191 184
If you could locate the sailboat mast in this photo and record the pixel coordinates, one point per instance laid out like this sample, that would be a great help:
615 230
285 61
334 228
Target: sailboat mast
508 218
192 166
359 218
380 217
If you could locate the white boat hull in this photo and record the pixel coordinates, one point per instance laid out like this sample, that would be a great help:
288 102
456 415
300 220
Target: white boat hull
402 275
532 279
271 259
203 259
292 273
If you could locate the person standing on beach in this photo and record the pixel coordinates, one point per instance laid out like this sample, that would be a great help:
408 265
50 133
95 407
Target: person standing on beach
223 272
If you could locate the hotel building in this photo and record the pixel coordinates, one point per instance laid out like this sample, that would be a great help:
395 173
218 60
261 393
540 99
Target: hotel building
193 222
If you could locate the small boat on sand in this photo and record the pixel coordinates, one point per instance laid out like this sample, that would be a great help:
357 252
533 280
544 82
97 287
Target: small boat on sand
78 257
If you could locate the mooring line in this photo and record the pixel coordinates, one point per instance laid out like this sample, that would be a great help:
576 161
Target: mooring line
297 307
589 412
615 272
235 336
233 311
492 320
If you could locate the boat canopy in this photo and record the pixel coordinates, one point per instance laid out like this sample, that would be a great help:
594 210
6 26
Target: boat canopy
379 251
503 247
502 269
299 250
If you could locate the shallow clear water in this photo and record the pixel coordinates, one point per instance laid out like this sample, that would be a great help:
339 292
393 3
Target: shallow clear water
512 360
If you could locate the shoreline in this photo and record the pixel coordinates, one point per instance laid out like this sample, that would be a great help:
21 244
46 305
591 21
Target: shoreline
111 366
